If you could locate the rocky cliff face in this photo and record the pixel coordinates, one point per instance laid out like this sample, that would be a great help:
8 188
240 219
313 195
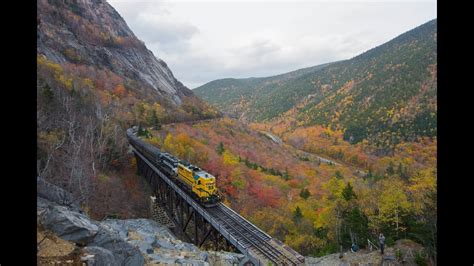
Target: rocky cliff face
95 79
66 235
92 33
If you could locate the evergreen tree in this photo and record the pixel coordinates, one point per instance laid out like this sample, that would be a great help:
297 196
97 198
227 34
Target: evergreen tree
348 192
297 215
140 131
154 121
272 171
305 193
47 94
286 176
143 132
390 169
339 175
402 171
356 227
220 148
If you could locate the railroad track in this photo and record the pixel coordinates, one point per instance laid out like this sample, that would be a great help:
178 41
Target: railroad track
246 237
250 236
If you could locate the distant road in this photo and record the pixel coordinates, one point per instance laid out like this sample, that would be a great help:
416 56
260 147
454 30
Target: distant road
321 159
274 138
277 140
328 161
324 160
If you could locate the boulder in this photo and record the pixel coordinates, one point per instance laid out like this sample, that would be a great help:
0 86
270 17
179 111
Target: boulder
55 194
156 242
224 258
144 234
101 241
124 242
124 253
204 256
98 256
191 262
186 247
162 259
389 258
161 243
69 225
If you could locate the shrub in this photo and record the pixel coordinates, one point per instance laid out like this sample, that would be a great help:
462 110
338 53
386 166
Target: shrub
420 259
399 254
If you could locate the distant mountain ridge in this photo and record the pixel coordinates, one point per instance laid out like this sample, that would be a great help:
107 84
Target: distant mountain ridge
233 95
386 94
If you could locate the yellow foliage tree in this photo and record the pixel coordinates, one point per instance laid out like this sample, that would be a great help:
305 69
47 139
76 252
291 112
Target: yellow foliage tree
422 189
168 144
393 203
334 187
229 158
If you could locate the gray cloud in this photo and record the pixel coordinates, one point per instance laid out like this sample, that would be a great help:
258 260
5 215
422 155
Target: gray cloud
163 30
259 49
204 41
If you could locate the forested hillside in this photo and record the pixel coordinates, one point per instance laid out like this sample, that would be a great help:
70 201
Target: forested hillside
385 95
311 205
94 80
233 96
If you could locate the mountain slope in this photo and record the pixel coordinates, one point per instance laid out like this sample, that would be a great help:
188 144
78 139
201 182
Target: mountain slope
386 94
94 80
234 96
92 33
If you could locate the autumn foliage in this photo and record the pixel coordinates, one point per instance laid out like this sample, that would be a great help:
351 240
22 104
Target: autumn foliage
320 205
82 113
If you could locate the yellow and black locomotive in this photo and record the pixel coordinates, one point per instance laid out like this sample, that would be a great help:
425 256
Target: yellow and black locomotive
198 183
201 183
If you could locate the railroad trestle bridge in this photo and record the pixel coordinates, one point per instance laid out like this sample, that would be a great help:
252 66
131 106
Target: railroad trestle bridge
219 226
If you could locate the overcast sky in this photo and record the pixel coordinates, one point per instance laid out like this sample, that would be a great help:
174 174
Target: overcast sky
203 41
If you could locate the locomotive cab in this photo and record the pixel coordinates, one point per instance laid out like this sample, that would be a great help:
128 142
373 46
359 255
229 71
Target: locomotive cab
205 185
201 183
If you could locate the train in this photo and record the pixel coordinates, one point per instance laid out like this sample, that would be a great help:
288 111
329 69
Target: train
198 183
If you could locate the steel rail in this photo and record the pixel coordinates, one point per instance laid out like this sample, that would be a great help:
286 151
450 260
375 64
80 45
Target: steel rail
245 236
261 246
